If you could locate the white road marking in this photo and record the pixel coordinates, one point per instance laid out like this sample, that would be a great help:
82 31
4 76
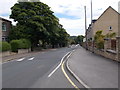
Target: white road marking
31 58
85 85
20 59
58 65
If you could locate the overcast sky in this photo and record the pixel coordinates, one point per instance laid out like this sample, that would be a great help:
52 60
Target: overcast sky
69 12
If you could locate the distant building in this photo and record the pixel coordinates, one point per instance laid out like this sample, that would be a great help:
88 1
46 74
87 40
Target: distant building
5 26
90 31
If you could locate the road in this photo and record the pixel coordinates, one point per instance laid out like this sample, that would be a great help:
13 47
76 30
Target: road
35 71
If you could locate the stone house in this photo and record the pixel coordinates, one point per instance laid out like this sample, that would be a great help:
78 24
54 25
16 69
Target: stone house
108 23
5 27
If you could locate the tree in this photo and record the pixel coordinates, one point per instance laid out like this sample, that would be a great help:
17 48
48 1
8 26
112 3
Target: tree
79 39
35 22
99 40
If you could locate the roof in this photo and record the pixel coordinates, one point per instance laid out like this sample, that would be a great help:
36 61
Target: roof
106 11
5 19
93 21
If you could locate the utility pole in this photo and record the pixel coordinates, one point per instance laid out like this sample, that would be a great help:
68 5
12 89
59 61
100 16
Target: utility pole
91 12
85 27
92 28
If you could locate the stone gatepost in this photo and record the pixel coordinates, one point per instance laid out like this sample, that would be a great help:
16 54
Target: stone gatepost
118 48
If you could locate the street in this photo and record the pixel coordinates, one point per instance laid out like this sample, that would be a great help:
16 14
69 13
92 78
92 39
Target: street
32 71
48 69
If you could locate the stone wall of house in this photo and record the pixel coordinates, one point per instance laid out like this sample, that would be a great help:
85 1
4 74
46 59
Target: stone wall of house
118 48
107 52
108 19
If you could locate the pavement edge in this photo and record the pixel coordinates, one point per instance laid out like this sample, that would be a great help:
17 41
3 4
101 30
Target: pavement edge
74 75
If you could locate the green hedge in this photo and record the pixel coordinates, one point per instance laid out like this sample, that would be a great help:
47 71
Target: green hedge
20 44
25 43
5 46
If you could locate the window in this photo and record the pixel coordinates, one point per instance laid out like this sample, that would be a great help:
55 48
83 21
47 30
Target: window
4 38
110 27
4 28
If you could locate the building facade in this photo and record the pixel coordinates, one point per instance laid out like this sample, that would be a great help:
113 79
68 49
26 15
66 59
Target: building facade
89 31
5 26
108 23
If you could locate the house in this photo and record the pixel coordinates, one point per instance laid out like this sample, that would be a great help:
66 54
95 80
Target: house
108 22
5 26
89 31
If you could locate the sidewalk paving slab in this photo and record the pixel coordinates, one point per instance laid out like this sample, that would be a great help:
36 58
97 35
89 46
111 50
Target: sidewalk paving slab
95 71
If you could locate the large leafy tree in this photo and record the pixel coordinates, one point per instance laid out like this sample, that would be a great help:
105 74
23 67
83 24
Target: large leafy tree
35 22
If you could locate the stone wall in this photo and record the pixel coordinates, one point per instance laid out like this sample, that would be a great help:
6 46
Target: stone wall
118 48
107 53
6 53
23 51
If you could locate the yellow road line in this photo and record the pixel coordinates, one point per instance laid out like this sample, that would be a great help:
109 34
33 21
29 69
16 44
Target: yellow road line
62 67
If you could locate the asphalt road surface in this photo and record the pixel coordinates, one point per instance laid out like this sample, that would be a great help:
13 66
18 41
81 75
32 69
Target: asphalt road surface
36 71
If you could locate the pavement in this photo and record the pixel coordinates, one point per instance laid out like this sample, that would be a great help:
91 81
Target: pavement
92 70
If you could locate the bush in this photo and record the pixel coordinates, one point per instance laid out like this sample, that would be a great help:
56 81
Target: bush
15 44
5 46
26 43
20 44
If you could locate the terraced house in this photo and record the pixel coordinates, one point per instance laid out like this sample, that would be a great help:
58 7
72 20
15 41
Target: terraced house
5 26
108 23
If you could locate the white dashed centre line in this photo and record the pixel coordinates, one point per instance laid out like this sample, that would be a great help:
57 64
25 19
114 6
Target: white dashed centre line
20 59
31 58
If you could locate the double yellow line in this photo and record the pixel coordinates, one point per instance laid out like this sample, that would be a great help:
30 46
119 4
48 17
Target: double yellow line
62 67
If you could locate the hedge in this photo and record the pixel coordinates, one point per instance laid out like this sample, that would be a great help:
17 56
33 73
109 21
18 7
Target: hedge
20 44
25 43
5 46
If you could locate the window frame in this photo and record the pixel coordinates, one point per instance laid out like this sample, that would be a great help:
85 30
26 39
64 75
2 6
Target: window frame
110 28
4 26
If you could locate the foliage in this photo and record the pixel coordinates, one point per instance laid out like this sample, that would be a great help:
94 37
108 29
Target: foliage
72 39
20 44
5 46
25 43
99 40
15 45
37 22
79 39
110 35
76 39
